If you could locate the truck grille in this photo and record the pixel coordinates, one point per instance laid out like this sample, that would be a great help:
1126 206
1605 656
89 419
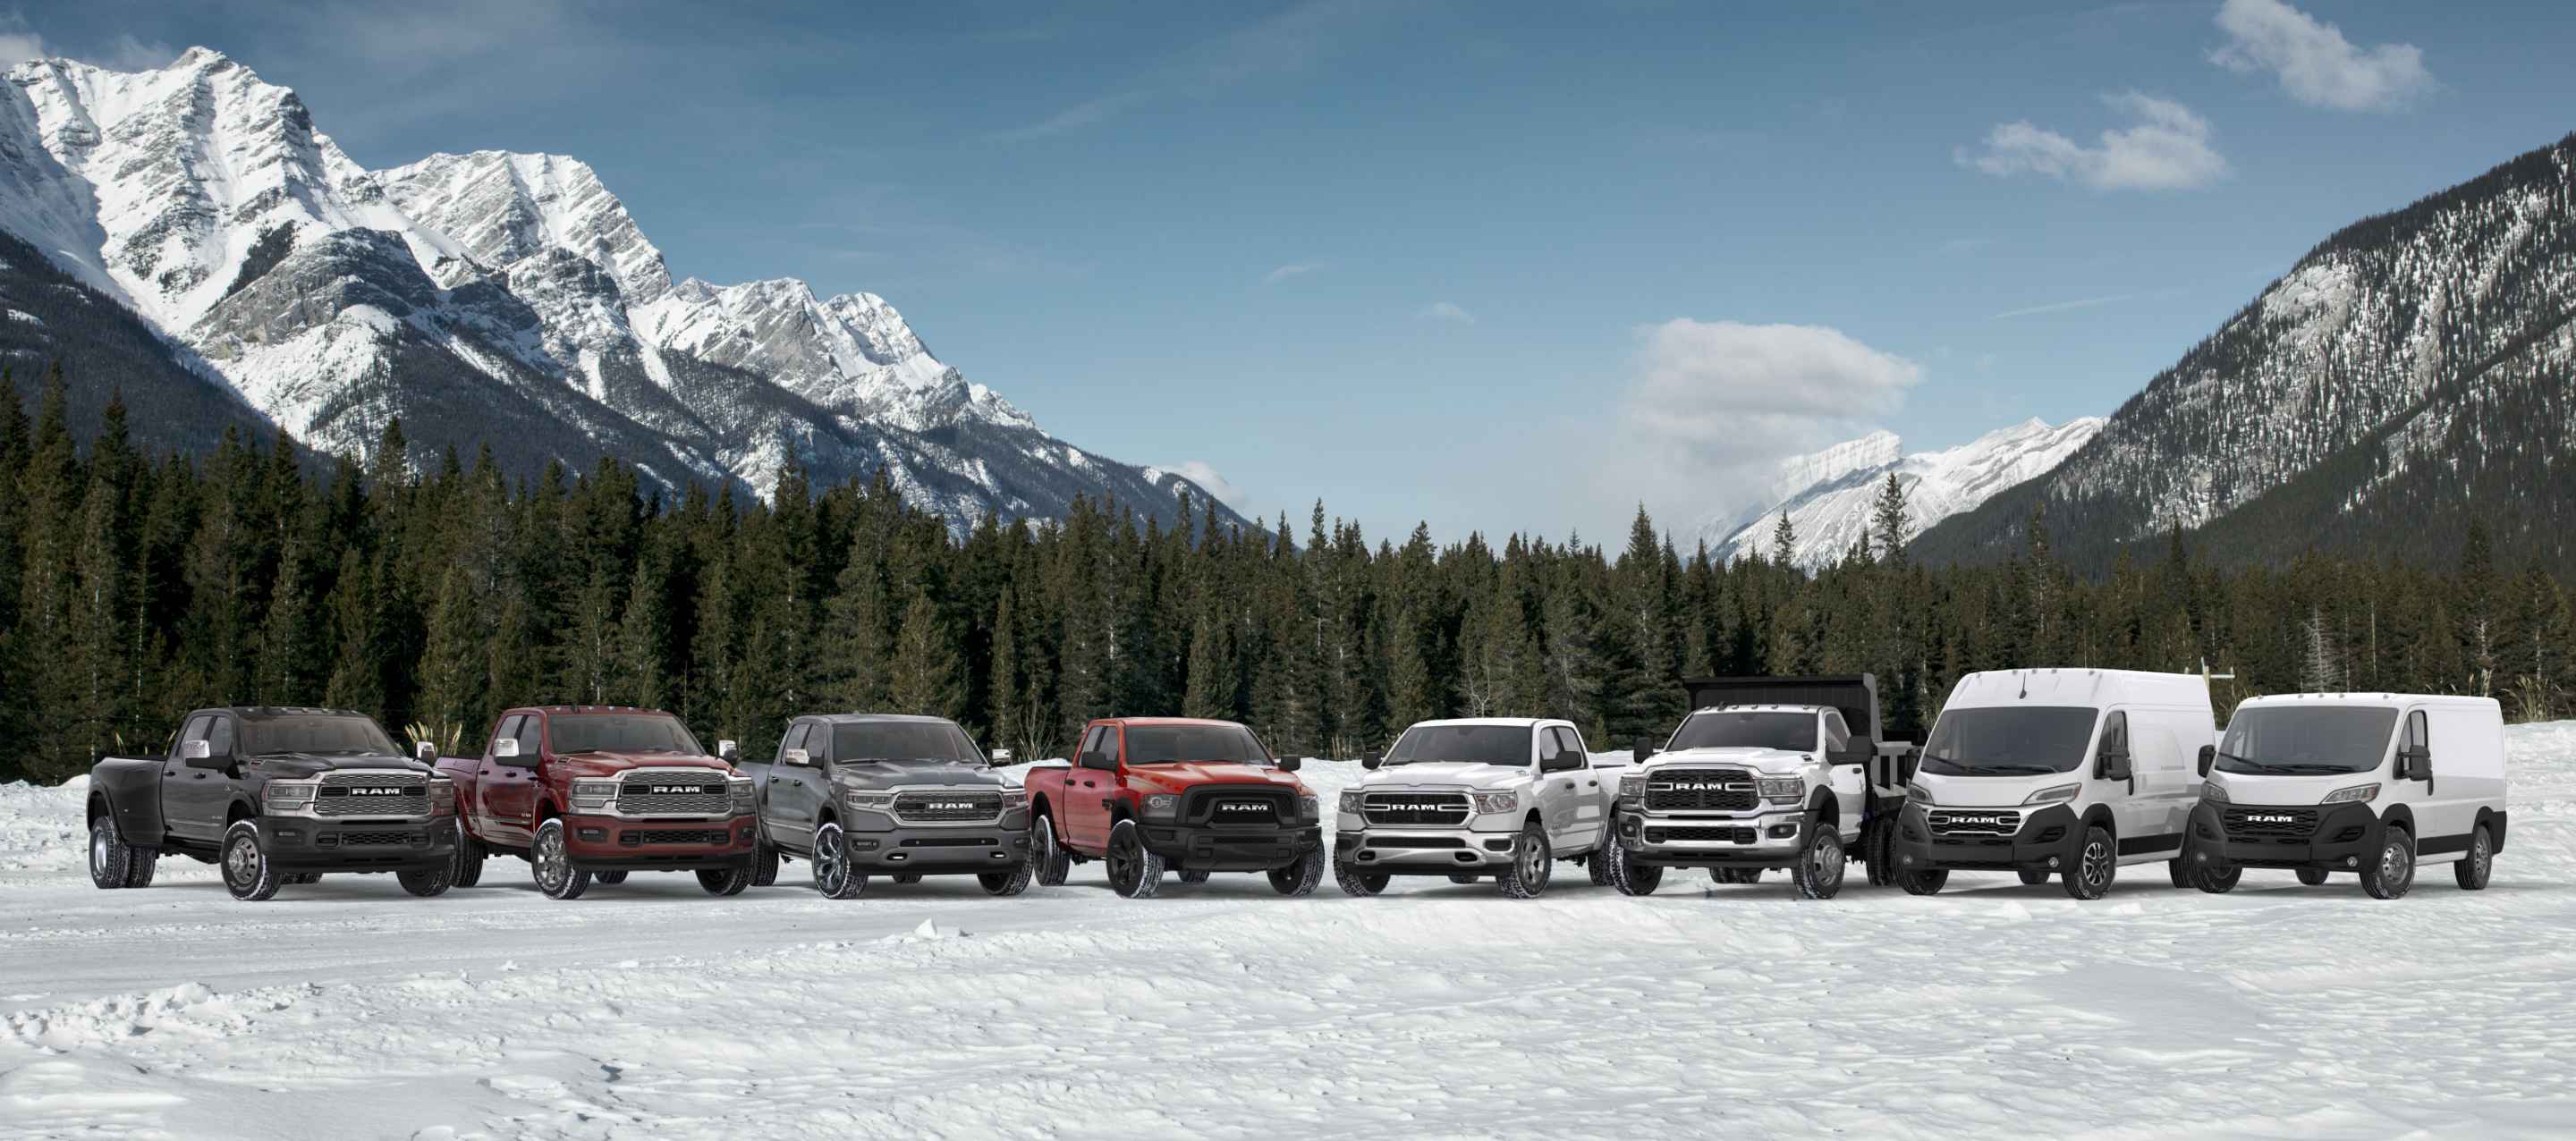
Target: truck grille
1976 822
1414 809
2258 823
1700 835
637 837
372 794
1248 805
934 807
378 839
1702 790
674 792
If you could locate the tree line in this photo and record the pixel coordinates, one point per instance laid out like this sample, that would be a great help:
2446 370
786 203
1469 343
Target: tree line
432 592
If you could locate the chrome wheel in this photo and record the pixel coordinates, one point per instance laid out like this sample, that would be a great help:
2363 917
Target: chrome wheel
241 860
101 841
2097 866
551 862
831 861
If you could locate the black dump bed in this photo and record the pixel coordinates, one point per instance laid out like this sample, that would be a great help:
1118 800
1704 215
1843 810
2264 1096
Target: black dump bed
1856 695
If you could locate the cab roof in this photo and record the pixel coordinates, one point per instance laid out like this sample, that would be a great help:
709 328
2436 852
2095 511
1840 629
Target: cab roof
1165 721
587 709
1498 722
2079 687
257 712
868 718
1809 709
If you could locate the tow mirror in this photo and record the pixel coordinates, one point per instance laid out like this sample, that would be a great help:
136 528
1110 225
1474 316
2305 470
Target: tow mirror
1291 764
506 748
2116 767
728 752
2208 757
1372 761
1638 753
797 757
201 754
997 758
426 752
2414 764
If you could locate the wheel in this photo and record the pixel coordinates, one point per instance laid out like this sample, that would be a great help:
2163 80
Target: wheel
2389 876
1353 881
429 882
247 872
2475 869
1924 881
2179 871
834 875
1735 875
610 879
1009 883
2031 877
907 877
469 862
1134 870
1463 880
552 866
113 863
725 881
1526 876
1631 877
1053 862
2096 863
1878 851
1301 877
764 865
2216 880
1818 874
1597 865
1194 877
2313 877
300 879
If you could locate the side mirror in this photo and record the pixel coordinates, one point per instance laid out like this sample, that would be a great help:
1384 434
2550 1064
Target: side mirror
1638 753
998 758
728 752
1371 762
2116 767
2414 764
426 752
506 748
201 754
1100 761
796 757
1291 764
2208 757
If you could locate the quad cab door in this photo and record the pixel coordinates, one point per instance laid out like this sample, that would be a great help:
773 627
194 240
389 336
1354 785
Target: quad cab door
1089 786
195 793
799 783
1567 790
509 783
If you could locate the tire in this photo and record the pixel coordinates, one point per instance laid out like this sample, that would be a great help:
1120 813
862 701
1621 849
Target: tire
1533 860
1926 881
1631 877
300 879
2179 872
469 862
2389 876
2313 877
725 881
1353 881
1135 871
113 863
907 878
1878 851
2216 881
2475 869
1464 880
1194 877
138 871
834 875
609 879
1298 878
1010 883
551 866
248 874
1597 865
1053 862
2031 877
1818 874
764 865
427 883
2097 863
1735 875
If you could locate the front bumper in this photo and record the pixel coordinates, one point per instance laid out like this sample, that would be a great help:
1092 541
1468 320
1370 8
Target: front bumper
2345 837
1424 851
2047 833
302 843
939 851
609 843
1767 839
1206 848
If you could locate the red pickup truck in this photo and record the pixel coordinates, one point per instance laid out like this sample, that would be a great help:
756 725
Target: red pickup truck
1146 794
592 792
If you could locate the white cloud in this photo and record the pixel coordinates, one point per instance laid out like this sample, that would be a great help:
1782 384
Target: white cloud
1714 404
131 54
1073 118
2316 64
2168 149
2063 306
19 43
1206 476
1446 311
1290 270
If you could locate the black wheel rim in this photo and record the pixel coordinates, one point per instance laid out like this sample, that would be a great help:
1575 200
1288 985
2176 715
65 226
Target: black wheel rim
1123 870
831 863
552 871
2097 865
241 860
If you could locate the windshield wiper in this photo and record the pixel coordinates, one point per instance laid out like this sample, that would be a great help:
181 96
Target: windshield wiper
2255 765
2017 769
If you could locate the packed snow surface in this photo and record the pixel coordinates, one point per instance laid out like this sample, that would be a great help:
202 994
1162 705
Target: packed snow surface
347 1009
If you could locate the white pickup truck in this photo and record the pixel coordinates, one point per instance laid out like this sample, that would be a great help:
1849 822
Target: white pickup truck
1766 773
1500 797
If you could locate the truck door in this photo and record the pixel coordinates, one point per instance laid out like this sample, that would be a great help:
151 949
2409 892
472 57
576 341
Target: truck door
510 784
487 777
1572 813
795 793
2422 792
2132 813
193 798
1850 782
1088 785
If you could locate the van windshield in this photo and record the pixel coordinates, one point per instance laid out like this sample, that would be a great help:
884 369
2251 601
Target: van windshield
2310 740
2010 740
1472 744
1728 729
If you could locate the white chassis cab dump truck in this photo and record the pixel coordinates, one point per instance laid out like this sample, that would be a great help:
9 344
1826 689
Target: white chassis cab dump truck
1500 797
2067 772
2367 783
1768 772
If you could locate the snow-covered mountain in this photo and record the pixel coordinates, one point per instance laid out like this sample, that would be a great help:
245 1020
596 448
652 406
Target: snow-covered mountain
1829 495
488 299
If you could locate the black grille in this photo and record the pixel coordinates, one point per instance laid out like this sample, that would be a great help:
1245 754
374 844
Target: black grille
1976 822
636 837
948 807
950 842
674 794
1414 809
378 839
1701 835
1702 790
1241 806
2252 822
1414 842
372 794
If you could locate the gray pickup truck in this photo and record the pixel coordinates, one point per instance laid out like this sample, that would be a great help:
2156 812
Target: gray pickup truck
864 794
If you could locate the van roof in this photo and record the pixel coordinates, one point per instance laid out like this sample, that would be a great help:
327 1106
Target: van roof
2372 700
2080 687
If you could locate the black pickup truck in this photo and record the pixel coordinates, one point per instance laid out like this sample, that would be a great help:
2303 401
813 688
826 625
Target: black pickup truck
275 795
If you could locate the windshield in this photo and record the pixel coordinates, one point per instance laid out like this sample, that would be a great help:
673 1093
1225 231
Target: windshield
1727 729
1165 744
1471 744
2295 741
2009 740
343 736
903 741
622 733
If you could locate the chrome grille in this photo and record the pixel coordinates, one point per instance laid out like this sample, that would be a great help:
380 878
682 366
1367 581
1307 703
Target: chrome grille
967 806
1976 821
387 793
674 792
1702 790
1414 809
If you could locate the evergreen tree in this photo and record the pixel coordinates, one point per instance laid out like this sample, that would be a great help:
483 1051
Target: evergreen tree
925 678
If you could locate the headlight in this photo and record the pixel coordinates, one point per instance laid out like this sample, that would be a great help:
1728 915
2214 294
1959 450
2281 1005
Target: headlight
442 796
1783 790
2058 795
740 787
2212 792
1015 796
1162 806
593 792
1309 808
289 795
2357 794
1495 801
1350 805
1919 795
865 801
1632 786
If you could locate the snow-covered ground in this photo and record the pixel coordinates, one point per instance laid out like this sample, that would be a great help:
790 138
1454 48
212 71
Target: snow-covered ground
347 1009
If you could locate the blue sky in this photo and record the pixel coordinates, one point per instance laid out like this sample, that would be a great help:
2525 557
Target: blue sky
1498 266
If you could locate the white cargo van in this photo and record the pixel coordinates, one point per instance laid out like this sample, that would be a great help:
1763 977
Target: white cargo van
2368 783
2068 772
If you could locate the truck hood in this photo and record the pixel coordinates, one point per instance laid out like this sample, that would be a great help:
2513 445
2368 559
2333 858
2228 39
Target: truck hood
1183 775
2289 791
290 766
914 774
611 764
1991 791
1445 774
1773 762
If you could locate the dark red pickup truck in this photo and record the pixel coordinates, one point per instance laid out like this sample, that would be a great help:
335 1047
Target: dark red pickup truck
1148 794
586 792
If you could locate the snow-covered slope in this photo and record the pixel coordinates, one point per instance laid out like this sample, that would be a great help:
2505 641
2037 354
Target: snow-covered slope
489 299
1829 496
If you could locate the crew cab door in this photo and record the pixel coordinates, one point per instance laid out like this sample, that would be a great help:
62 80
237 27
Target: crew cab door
1846 772
1567 789
1088 787
194 796
509 784
793 794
